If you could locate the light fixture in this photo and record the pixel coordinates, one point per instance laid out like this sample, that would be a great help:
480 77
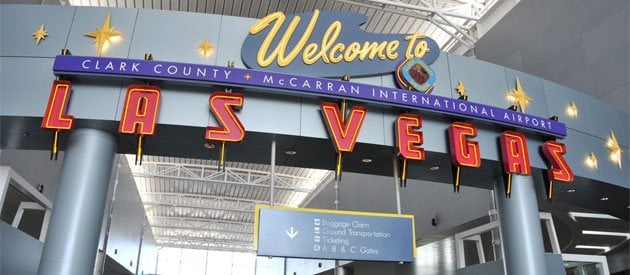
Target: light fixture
615 150
605 248
591 161
208 145
434 168
205 48
367 160
603 199
40 34
606 233
290 152
572 110
575 215
518 97
570 190
104 35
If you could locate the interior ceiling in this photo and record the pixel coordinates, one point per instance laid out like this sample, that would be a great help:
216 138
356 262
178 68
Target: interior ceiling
192 203
581 44
448 22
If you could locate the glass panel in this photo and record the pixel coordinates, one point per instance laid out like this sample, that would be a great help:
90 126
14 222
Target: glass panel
31 222
168 261
582 268
12 202
193 262
545 235
470 253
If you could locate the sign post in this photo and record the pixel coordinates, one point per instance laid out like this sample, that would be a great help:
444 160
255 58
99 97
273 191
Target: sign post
333 234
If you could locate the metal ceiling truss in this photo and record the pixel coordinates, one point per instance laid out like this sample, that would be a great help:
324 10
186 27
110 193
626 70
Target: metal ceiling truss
197 213
209 174
206 220
446 15
190 223
189 229
215 248
206 244
198 203
206 235
206 240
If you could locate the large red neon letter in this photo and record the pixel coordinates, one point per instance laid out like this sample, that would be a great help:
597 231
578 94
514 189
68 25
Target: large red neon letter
344 134
230 127
558 168
463 151
140 110
55 116
514 153
408 138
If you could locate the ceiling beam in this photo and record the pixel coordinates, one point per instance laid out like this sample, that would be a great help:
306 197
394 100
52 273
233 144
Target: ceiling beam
423 9
209 220
201 229
233 176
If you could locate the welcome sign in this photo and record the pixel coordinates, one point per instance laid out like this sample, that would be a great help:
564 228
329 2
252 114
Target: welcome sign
329 44
289 55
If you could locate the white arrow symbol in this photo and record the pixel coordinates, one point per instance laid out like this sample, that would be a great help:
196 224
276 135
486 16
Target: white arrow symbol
292 234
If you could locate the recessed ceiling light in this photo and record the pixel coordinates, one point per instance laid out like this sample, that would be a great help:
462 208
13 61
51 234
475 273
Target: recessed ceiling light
606 233
434 168
208 145
571 190
575 215
605 248
367 160
290 152
604 199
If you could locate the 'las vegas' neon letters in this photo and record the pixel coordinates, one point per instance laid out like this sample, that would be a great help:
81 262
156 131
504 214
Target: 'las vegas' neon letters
343 133
514 154
464 152
230 127
142 106
408 137
558 169
140 110
55 117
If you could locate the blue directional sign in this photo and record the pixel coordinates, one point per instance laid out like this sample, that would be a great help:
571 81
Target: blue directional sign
330 234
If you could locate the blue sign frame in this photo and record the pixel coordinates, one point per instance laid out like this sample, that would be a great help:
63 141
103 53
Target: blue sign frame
333 234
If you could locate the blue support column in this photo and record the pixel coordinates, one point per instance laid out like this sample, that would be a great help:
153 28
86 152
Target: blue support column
521 235
75 225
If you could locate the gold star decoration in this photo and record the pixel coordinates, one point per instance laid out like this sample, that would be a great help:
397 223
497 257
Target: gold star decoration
247 76
461 90
572 110
205 48
104 35
615 150
519 97
40 34
591 160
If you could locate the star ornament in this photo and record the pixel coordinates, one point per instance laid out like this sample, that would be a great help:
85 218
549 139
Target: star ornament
572 109
460 89
104 35
591 161
205 48
615 150
40 34
519 97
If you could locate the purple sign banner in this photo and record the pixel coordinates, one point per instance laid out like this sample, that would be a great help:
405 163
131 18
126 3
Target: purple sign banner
286 83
